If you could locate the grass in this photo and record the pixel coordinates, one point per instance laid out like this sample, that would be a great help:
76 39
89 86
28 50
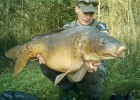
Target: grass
123 76
31 81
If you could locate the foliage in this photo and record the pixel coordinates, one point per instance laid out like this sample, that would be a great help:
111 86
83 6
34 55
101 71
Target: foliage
21 20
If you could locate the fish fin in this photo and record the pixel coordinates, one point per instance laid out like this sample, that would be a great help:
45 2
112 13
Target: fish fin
78 76
13 52
59 78
19 65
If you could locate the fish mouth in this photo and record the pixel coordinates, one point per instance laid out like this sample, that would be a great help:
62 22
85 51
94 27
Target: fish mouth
120 52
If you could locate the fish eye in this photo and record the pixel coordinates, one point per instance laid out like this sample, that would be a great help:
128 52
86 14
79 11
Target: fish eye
103 41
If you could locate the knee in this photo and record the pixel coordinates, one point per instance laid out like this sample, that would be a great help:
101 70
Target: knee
44 69
93 82
97 77
49 73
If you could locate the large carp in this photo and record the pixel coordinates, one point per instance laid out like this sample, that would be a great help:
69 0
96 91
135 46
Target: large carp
66 51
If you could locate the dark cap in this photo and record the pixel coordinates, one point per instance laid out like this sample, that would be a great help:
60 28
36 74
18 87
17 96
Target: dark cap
88 5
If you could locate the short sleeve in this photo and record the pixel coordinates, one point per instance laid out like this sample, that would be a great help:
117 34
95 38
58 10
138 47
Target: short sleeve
103 27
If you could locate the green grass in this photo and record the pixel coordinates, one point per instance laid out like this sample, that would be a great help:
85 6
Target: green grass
123 76
31 81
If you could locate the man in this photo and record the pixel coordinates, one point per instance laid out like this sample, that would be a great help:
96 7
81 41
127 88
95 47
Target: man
93 81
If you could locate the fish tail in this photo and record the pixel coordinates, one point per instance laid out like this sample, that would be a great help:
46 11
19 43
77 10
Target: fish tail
21 56
13 52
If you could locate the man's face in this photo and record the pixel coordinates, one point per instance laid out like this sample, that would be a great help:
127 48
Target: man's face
84 18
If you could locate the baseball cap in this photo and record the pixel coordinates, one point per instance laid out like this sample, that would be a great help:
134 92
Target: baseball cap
88 5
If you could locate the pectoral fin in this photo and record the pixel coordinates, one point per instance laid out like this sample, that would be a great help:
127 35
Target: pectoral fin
78 76
59 78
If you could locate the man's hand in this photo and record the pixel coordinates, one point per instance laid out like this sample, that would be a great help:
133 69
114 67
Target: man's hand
92 67
41 61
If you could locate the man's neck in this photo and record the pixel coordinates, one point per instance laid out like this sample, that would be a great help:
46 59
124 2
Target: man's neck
79 24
